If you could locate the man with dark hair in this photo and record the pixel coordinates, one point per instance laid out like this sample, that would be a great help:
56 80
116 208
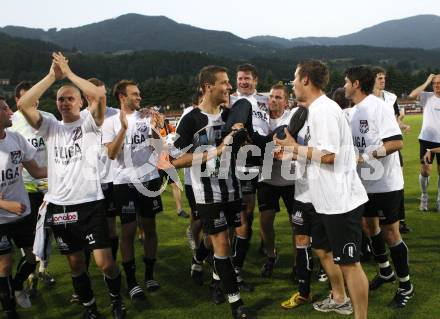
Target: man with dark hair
16 220
391 100
128 137
74 198
275 183
429 136
36 189
216 188
331 174
377 137
247 81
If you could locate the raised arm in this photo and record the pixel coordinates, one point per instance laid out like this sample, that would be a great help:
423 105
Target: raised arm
97 107
30 98
114 147
416 92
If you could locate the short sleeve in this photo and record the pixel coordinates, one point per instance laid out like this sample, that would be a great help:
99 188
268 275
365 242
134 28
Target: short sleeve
387 125
184 133
46 124
28 150
108 129
326 132
89 124
424 96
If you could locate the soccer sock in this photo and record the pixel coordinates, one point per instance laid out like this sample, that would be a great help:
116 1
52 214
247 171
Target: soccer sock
130 273
83 287
241 246
114 286
225 270
114 242
424 182
378 249
401 214
399 255
304 267
24 269
149 268
201 252
7 294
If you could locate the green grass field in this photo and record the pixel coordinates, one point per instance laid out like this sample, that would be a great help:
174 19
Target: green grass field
180 298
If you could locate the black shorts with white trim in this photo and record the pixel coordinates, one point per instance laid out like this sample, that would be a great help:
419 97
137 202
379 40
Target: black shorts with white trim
424 145
77 227
129 201
268 197
191 201
217 217
386 206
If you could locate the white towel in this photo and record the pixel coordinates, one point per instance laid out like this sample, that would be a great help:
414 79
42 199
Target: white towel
39 242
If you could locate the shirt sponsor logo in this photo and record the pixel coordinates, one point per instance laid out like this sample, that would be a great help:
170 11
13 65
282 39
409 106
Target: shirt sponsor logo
65 218
16 157
67 154
363 126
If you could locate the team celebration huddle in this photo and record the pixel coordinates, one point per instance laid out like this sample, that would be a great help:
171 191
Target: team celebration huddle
93 182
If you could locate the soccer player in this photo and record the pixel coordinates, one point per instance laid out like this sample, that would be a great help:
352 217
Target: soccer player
216 187
391 100
74 199
36 188
16 220
429 137
247 81
307 224
331 174
276 185
128 137
377 137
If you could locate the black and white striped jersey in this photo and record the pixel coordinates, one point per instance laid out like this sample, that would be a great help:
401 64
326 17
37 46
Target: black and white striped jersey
215 180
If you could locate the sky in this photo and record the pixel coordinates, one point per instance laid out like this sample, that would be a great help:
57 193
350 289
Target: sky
288 18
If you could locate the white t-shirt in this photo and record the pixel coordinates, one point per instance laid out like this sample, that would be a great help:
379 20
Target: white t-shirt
372 122
136 162
14 149
431 117
334 188
20 125
186 170
282 172
72 151
260 110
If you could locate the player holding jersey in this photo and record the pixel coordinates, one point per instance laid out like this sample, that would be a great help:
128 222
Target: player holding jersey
74 199
216 187
247 81
336 191
429 136
377 137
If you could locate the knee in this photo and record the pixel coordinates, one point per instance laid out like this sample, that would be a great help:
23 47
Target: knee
425 170
391 236
108 267
302 240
